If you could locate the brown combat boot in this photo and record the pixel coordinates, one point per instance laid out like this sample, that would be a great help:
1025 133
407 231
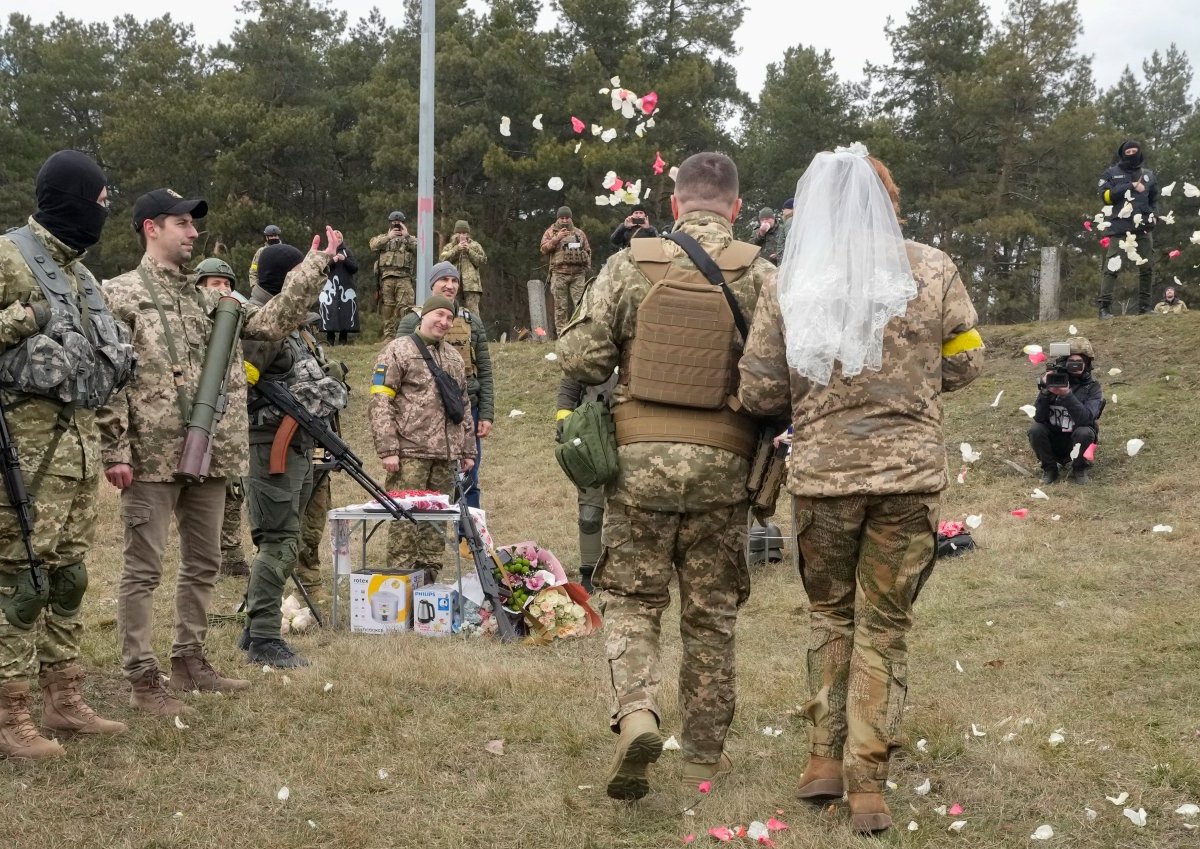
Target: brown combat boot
869 813
639 745
822 780
151 695
194 672
63 707
694 774
18 736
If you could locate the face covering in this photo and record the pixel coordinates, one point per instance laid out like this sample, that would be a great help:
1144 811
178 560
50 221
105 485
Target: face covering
67 187
274 264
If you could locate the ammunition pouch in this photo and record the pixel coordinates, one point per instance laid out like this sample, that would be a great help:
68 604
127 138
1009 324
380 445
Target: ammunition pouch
19 601
459 336
725 428
768 471
571 253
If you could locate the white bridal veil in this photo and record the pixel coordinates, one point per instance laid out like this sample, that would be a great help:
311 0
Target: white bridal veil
845 271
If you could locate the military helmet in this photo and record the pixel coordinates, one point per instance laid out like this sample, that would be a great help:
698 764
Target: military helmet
214 267
1080 345
272 230
396 215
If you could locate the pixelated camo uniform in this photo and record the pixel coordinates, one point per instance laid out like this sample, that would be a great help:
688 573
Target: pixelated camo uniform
675 509
867 463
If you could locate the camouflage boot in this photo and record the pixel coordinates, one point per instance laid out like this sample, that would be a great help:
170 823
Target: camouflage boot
695 774
869 813
18 737
193 672
822 780
63 707
639 745
150 694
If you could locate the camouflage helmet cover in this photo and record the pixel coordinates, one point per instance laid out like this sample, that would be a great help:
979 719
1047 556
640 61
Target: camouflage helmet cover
1080 345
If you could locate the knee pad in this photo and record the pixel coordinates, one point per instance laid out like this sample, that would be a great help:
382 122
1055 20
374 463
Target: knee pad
67 586
591 519
19 601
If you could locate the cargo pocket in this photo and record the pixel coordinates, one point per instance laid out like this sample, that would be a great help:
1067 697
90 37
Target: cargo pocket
897 691
133 517
802 519
617 532
733 544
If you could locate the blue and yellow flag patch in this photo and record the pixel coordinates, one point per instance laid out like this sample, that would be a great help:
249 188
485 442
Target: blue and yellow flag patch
378 387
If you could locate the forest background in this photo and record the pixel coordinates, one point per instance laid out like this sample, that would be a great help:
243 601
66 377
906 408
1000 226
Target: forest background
996 132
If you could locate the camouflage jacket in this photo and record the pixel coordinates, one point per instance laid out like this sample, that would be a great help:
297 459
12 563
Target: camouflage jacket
554 244
480 386
32 418
252 276
1175 306
405 410
772 241
395 256
467 259
143 425
880 432
672 477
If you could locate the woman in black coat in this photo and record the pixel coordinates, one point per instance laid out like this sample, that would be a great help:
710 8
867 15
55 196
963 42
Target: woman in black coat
338 301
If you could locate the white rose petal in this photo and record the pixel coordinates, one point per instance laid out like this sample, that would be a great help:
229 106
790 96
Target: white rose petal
1075 449
283 795
1190 826
958 668
537 121
383 774
328 687
1055 517
1133 446
1195 240
969 455
1188 810
1168 218
311 824
1126 210
1137 817
179 723
512 414
999 395
923 788
1090 814
1029 410
554 184
627 109
1118 800
957 825
1073 330
640 130
922 745
1042 832
577 146
1114 263
1009 737
672 745
597 129
1032 349
912 825
551 356
757 830
1114 398
178 815
615 82
1161 529
940 810
674 172
608 135
1190 191
1056 739
891 785
1167 189
976 731
609 179
1037 493
974 521
1114 371
505 126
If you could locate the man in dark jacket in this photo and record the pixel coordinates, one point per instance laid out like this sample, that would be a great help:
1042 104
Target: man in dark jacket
636 226
1130 195
1067 418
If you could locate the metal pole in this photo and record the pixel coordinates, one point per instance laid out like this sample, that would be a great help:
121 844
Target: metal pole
425 153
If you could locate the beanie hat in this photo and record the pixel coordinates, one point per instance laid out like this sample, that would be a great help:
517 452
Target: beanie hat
790 203
766 212
436 302
443 269
461 226
274 263
564 212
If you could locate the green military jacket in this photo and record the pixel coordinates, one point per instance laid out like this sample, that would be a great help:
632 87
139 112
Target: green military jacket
467 259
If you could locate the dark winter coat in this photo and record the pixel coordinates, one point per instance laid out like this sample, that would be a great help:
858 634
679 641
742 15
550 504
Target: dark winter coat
1116 189
1081 408
338 302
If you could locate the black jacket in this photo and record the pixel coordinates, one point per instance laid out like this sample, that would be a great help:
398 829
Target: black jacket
337 304
1081 408
1116 188
623 234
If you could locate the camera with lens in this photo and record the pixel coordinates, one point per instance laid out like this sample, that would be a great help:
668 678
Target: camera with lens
1059 375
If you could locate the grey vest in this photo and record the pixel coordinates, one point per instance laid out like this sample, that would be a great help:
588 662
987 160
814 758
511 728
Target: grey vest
78 358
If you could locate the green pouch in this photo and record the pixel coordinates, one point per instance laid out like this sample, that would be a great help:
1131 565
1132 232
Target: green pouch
587 449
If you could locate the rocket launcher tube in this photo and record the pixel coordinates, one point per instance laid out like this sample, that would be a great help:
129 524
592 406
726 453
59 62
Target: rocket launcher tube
209 403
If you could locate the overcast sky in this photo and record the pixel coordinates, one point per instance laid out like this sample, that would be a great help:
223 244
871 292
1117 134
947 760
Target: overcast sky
1116 33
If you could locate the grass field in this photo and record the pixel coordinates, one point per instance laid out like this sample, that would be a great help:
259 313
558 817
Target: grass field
1076 619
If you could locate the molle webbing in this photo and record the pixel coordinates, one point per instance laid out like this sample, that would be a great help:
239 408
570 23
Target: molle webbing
459 336
640 421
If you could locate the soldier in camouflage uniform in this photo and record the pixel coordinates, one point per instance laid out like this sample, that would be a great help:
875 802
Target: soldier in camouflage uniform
769 236
142 431
570 261
676 508
272 235
396 267
414 436
866 468
467 256
59 452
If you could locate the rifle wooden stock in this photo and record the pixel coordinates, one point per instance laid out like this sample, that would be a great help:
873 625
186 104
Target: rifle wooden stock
279 445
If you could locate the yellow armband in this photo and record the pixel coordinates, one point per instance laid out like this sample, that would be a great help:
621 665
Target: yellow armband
562 414
968 341
251 372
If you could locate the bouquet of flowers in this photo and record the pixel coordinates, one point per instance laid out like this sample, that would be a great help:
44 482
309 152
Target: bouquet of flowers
524 579
555 615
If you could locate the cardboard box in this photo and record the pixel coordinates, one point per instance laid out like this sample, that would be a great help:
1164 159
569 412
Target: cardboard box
435 611
381 603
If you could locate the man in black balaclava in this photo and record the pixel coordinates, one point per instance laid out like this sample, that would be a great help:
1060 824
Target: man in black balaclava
55 431
274 263
1130 195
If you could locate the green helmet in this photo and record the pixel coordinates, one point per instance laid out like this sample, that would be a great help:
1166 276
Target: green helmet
213 267
1080 345
397 215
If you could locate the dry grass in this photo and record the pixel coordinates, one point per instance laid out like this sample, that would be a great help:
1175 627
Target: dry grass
1093 630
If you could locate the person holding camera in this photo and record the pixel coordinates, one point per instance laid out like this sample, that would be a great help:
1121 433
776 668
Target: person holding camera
1068 408
396 267
636 226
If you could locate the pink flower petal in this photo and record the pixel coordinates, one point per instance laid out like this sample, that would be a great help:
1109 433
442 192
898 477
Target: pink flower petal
1173 253
721 832
689 838
776 825
704 787
1090 454
658 162
1020 513
577 125
766 841
1105 242
740 832
1039 357
956 808
1087 225
649 101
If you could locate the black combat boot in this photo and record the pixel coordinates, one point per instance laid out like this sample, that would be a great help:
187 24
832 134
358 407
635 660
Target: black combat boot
275 653
1079 475
1050 474
585 577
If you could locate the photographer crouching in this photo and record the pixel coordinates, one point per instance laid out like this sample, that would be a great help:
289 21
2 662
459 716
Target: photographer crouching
1068 408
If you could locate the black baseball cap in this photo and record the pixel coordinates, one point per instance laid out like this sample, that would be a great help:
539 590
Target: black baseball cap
166 202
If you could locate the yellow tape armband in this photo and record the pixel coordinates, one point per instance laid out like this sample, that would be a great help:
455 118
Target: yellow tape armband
562 414
383 390
251 372
1107 196
968 341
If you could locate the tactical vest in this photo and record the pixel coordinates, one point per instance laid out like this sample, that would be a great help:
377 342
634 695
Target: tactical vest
680 368
395 258
79 358
316 383
459 336
571 253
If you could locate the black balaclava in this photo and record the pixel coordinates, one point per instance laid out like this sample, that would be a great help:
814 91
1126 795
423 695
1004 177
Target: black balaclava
1130 163
274 263
67 187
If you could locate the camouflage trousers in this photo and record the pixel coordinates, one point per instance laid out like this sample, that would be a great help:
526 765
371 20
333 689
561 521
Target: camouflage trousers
643 551
591 523
471 301
64 523
312 532
422 542
397 295
863 561
567 288
231 528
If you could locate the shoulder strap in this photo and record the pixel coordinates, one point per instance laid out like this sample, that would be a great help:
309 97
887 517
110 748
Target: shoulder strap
423 350
709 269
181 398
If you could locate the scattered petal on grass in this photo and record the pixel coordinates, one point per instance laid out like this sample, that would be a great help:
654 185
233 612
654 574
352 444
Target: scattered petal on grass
1162 529
1133 446
891 785
1075 450
267 668
1032 349
772 732
704 786
957 825
1190 826
1019 513
1037 493
283 795
923 746
181 725
584 787
312 824
1114 371
577 125
1073 330
776 825
578 145
608 135
1090 814
1174 254
923 788
1188 810
1167 189
1037 358
974 521
940 810
976 731
178 815
554 184
955 810
674 172
689 838
1118 800
1029 410
328 687
286 680
552 356
1042 832
999 395
1090 453
722 833
537 121
1190 191
505 126
958 668
1137 817
672 745
496 747
1009 737
1114 263
512 414
912 825
615 82
1056 739
757 830
969 454
383 774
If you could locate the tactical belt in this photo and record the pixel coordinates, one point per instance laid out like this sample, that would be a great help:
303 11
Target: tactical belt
643 421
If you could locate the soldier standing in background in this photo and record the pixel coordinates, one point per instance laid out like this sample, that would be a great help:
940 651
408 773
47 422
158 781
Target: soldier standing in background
396 267
868 457
769 236
570 260
272 235
679 503
54 428
467 256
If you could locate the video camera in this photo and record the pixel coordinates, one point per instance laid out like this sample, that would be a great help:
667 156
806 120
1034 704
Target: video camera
1059 375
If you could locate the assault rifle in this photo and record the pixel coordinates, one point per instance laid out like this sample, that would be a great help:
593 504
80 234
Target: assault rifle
18 498
507 623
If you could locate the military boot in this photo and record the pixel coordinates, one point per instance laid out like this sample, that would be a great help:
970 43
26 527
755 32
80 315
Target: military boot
151 695
18 736
194 672
695 774
274 653
869 813
1079 475
585 577
63 707
822 780
1049 474
639 745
